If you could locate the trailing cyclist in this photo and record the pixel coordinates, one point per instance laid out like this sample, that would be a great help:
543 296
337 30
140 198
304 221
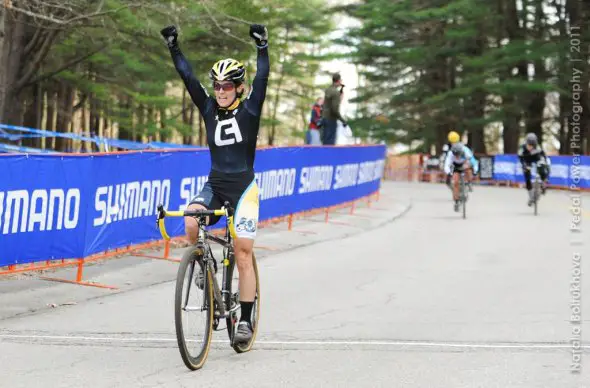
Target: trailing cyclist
453 137
531 152
460 159
232 123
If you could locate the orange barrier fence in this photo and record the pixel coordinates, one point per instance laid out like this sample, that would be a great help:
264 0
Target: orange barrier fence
135 250
403 167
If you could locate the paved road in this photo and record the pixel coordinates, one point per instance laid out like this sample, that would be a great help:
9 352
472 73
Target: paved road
403 294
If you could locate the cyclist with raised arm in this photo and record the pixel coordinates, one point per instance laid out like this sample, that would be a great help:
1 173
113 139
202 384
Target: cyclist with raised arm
232 125
531 152
460 159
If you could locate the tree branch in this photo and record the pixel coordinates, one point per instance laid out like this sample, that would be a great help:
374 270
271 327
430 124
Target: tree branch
232 17
69 64
53 20
219 26
81 103
36 63
95 14
33 42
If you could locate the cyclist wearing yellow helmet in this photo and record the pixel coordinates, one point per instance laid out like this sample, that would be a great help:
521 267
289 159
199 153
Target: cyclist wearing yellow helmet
232 130
453 137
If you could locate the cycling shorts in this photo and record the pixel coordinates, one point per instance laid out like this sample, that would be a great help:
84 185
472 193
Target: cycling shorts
243 197
460 167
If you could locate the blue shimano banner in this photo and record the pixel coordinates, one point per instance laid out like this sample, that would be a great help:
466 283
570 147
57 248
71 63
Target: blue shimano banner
505 167
54 207
566 171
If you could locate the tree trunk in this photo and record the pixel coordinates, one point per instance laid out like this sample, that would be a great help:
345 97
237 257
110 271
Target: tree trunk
511 125
65 110
536 100
31 115
125 131
3 65
94 116
106 130
10 65
140 114
150 120
164 135
51 110
511 105
85 128
476 104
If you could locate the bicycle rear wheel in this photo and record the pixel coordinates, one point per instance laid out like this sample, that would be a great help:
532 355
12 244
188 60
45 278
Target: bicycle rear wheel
193 296
536 195
232 320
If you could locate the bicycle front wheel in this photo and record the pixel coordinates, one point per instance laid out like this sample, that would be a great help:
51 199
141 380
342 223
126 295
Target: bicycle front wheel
193 309
233 287
463 198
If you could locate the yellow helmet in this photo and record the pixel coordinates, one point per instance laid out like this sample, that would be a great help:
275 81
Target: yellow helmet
453 137
228 70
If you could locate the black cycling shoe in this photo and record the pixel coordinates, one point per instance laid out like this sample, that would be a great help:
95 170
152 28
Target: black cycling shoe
244 333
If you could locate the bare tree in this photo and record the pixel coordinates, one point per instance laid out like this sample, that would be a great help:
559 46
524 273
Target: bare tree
29 28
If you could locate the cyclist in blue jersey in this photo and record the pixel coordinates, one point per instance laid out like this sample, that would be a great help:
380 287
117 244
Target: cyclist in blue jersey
453 137
232 125
460 159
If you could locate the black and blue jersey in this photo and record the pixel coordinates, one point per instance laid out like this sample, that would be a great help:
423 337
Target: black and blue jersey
231 134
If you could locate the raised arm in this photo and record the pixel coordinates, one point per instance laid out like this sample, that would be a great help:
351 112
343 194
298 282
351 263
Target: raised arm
257 94
196 90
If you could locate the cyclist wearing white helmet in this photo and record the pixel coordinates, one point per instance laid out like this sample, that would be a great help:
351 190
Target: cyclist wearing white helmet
460 159
232 126
531 152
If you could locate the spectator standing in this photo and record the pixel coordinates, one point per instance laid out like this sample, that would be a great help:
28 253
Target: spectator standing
331 113
312 137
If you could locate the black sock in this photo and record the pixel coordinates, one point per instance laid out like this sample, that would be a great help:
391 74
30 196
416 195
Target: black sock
246 311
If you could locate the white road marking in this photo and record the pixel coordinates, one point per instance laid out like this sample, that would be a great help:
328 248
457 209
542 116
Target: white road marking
470 345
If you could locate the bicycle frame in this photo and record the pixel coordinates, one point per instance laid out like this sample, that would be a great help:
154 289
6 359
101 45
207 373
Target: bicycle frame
201 245
462 191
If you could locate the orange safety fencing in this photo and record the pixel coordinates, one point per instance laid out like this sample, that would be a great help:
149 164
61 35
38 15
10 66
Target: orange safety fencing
134 250
403 167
